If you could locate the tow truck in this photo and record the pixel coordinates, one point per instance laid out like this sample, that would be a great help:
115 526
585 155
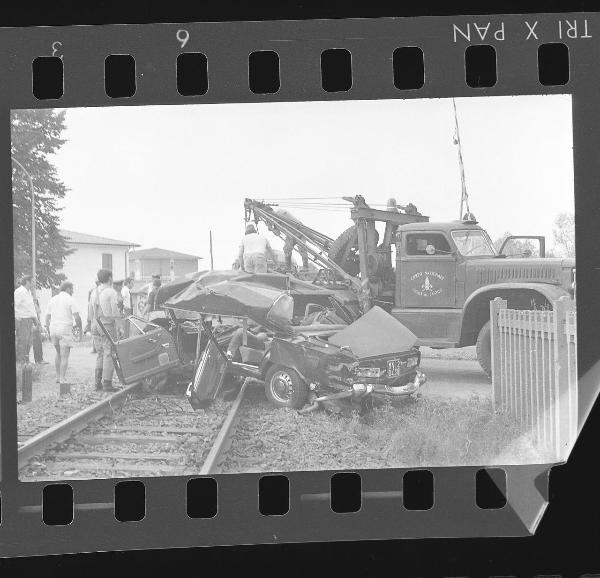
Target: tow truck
436 278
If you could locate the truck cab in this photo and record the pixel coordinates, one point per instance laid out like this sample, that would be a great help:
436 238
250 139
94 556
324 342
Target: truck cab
447 274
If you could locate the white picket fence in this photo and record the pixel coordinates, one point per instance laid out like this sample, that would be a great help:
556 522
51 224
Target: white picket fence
534 370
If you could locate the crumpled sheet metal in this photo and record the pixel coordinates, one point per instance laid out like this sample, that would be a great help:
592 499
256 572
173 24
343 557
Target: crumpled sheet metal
374 334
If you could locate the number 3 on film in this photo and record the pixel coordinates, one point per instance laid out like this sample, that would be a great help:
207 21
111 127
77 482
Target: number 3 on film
57 48
183 36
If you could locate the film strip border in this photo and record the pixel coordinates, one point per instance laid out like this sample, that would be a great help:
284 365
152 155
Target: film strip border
288 61
517 43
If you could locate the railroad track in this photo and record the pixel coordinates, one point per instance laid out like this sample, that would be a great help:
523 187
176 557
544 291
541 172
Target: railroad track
128 436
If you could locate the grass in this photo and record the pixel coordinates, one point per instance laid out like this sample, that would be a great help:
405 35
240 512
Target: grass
433 433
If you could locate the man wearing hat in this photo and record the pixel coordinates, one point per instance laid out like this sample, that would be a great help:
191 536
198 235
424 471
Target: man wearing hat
254 249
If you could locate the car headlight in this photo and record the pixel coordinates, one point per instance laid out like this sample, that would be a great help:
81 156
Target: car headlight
368 372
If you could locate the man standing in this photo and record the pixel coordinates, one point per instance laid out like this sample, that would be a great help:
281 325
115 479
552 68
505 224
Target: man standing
126 293
151 300
104 308
60 314
127 306
289 244
254 250
26 318
88 327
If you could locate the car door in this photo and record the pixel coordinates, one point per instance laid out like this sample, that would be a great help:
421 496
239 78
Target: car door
209 376
149 350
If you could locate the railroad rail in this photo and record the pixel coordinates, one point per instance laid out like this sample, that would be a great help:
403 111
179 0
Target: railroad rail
72 425
93 445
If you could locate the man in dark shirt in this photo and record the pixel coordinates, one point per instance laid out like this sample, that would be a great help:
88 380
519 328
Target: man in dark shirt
151 301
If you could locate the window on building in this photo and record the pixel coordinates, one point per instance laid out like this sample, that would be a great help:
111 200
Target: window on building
107 261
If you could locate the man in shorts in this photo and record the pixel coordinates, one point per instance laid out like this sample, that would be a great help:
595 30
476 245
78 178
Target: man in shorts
61 312
104 309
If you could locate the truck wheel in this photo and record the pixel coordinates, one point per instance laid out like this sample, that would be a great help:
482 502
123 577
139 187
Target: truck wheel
344 249
484 348
284 388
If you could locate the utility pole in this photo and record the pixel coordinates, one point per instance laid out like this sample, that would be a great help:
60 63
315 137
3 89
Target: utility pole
464 198
33 249
211 251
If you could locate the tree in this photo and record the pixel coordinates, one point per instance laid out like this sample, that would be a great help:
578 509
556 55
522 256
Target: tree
564 235
36 134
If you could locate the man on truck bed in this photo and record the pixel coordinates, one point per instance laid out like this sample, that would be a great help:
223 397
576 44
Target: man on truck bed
290 244
254 249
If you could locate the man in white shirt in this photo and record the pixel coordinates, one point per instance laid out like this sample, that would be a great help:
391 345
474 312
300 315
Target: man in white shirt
126 293
127 305
61 312
25 319
253 252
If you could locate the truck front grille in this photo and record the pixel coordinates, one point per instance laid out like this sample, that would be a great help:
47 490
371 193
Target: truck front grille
509 273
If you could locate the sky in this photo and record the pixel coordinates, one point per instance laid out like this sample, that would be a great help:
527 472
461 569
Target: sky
163 176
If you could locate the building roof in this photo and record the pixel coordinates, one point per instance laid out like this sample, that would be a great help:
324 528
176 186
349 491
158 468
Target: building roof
156 253
86 239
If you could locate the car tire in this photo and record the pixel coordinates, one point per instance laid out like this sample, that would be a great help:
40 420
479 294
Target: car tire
484 348
285 388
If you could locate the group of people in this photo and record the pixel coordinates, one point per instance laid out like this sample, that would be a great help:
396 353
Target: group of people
109 304
61 314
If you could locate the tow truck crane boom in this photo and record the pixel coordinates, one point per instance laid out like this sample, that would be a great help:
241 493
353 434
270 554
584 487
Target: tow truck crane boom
316 244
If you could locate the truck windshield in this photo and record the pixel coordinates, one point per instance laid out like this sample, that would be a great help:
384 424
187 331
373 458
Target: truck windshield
473 243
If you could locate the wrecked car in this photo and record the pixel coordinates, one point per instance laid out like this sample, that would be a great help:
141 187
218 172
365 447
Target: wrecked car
166 348
314 360
301 341
320 364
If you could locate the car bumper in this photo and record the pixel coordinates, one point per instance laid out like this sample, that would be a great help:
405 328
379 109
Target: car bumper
401 390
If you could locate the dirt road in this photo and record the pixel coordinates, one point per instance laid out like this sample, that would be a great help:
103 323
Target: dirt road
455 378
446 376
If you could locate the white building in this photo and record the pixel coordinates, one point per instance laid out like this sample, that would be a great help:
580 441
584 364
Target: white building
90 253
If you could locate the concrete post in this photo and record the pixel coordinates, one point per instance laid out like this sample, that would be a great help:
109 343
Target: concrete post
561 379
26 382
495 307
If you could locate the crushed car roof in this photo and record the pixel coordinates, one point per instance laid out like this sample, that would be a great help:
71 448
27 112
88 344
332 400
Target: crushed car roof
235 294
374 334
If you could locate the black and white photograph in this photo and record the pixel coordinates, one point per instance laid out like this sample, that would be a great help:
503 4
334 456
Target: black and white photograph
294 286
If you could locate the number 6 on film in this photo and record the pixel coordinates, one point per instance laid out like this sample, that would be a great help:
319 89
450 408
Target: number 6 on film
56 48
183 36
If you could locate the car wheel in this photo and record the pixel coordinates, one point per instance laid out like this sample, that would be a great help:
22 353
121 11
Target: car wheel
484 348
284 388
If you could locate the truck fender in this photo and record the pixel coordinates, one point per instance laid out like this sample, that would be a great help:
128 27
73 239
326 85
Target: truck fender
519 296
